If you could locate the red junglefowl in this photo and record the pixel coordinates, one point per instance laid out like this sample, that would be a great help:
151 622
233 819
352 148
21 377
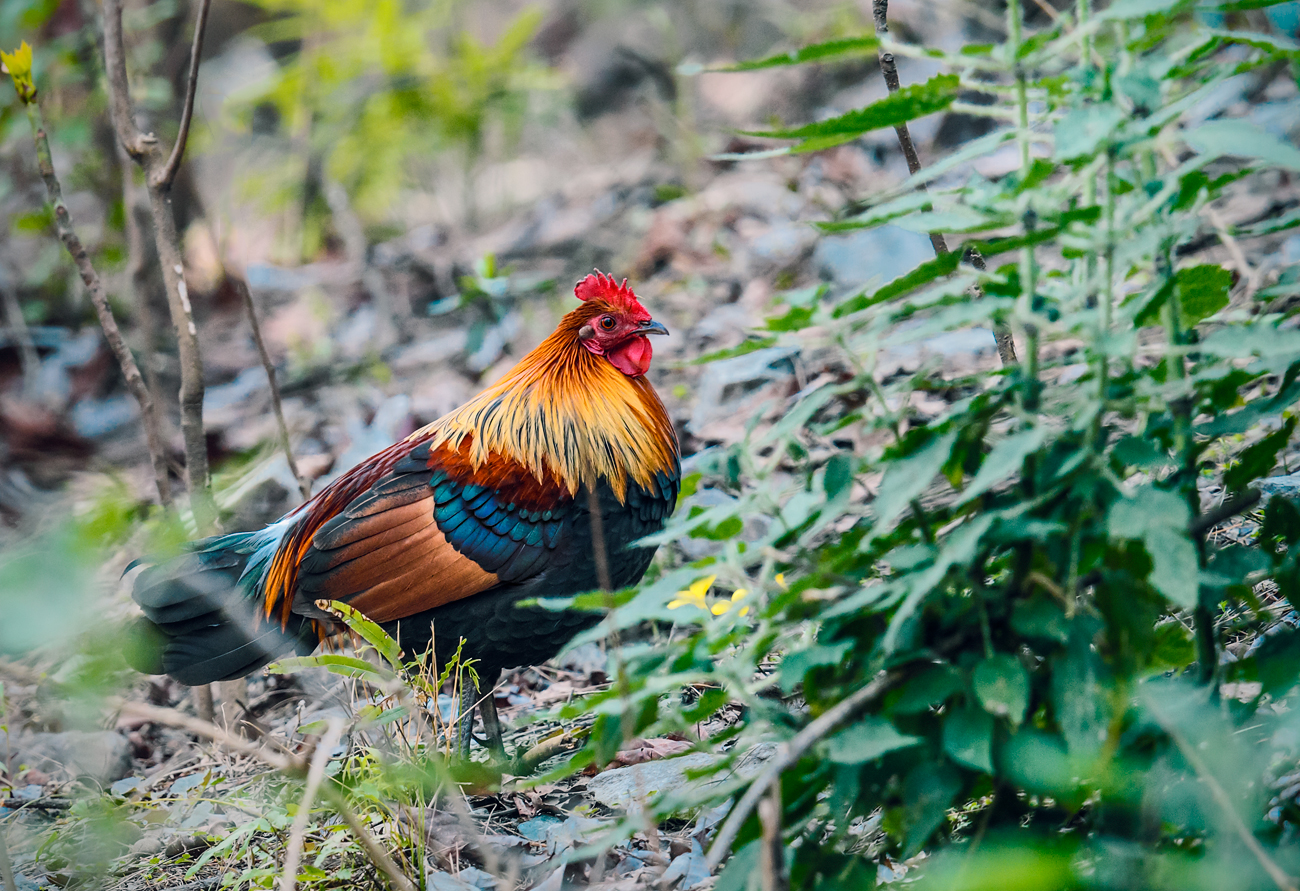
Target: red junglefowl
446 531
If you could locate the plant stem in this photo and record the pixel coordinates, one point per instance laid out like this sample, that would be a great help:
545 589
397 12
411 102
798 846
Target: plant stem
773 853
1083 11
6 865
99 299
789 754
159 174
304 487
1014 24
315 774
889 70
1221 797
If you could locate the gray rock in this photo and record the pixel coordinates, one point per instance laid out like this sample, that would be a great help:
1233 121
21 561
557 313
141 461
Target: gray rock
731 386
1287 486
871 255
102 756
620 787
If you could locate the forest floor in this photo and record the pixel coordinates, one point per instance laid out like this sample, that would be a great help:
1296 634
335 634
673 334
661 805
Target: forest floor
373 341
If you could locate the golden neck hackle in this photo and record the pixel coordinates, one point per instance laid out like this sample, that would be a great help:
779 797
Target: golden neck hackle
566 411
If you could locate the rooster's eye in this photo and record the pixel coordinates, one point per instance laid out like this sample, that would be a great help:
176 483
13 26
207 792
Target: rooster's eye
607 323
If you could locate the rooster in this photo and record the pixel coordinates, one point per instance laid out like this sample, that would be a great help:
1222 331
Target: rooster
508 498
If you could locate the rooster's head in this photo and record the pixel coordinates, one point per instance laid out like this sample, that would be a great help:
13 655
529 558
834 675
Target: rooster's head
616 324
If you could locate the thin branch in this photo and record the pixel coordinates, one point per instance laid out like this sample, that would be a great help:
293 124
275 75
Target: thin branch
204 704
1220 795
1211 518
166 175
144 150
136 252
889 70
6 865
773 854
27 355
98 297
598 553
378 856
315 774
37 804
284 762
303 485
789 754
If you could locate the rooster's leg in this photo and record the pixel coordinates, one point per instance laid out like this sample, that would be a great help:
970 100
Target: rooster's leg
465 719
492 725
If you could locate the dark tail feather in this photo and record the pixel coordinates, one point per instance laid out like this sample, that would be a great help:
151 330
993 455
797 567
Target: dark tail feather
200 626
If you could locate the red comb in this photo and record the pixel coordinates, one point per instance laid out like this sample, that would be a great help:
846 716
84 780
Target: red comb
599 286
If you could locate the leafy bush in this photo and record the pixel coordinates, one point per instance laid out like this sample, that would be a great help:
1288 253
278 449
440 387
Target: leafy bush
998 622
373 88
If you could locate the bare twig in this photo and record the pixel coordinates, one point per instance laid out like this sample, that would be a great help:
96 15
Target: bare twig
136 252
546 749
204 703
1211 518
772 857
1239 260
284 762
303 485
789 754
27 354
6 865
145 151
889 70
1220 795
598 553
37 804
315 774
374 849
166 175
98 297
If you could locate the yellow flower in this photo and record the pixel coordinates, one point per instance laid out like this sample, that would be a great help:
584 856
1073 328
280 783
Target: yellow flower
18 64
694 595
723 606
780 580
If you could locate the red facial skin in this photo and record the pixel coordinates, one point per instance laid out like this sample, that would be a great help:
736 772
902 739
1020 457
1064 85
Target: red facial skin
618 339
618 332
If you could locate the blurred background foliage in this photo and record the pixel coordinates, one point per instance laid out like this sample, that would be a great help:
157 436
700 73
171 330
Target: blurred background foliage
1086 682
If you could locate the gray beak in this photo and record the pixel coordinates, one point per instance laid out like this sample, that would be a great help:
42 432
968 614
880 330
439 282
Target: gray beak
652 327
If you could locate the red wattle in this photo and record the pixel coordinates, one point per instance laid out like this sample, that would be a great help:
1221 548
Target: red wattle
632 356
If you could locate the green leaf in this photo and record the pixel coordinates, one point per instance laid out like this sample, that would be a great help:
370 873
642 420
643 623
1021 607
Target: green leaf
1257 459
370 632
1159 520
1042 618
794 666
1202 291
1138 9
1082 131
1006 458
926 272
913 101
749 346
930 687
1243 139
817 52
956 219
905 480
866 740
838 475
928 792
1002 687
968 738
348 666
